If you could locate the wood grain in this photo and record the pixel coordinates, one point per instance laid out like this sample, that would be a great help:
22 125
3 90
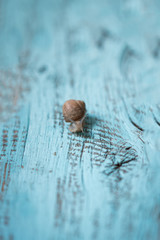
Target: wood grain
100 184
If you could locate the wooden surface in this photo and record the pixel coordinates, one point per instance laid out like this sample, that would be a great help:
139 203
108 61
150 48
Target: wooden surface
100 184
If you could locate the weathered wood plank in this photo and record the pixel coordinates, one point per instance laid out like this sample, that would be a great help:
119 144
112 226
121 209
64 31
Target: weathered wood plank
100 184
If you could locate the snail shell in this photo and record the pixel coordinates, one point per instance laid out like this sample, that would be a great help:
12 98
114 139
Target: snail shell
74 110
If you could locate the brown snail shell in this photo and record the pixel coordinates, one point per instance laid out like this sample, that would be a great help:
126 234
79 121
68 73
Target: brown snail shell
74 111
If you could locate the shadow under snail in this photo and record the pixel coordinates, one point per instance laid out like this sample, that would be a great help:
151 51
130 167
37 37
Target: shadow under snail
74 111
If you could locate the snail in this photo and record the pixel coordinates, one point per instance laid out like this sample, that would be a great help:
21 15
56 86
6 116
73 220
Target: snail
74 111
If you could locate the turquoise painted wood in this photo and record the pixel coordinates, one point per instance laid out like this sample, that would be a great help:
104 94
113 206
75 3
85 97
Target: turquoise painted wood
100 184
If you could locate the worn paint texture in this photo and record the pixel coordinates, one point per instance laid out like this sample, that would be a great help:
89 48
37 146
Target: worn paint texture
100 184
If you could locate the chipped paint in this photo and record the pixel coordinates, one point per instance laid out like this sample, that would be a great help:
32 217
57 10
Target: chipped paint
100 184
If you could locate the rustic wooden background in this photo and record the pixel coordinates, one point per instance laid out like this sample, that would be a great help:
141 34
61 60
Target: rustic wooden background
100 184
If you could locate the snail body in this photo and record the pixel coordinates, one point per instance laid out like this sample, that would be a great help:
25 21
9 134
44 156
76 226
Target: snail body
74 111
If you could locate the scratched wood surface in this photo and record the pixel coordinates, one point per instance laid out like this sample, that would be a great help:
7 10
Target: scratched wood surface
100 184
